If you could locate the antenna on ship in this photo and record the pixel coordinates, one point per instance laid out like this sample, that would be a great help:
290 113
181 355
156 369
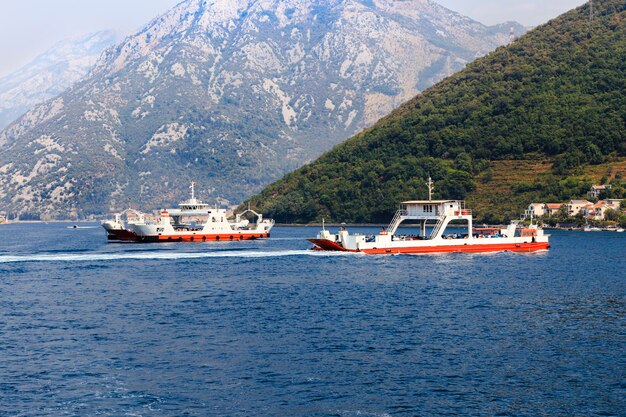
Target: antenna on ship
431 186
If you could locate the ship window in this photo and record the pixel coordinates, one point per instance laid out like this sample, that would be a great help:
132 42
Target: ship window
428 208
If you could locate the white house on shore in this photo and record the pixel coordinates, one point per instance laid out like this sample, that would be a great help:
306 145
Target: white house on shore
535 210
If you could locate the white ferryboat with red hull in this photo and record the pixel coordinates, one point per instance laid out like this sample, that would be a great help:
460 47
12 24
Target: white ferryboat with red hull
192 221
437 214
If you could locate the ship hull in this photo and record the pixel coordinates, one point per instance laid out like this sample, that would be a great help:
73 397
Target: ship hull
199 237
117 232
121 235
328 245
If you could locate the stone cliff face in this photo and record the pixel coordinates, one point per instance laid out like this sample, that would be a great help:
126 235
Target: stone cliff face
230 93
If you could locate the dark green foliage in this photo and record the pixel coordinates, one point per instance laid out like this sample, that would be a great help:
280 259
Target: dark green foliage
557 92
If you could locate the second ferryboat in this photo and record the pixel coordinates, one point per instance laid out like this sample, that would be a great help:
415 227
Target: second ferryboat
192 221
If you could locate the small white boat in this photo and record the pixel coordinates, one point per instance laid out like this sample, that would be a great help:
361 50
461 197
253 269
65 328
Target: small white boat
620 230
589 228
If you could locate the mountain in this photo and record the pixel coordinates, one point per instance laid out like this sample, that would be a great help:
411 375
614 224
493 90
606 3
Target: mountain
528 121
231 94
50 74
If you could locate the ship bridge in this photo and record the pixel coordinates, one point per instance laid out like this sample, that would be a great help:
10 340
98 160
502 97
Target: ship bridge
429 210
192 205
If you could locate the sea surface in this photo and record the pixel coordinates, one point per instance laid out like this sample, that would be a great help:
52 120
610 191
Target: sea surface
270 328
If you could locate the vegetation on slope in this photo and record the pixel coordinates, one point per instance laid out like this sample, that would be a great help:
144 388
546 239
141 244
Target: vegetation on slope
556 95
517 183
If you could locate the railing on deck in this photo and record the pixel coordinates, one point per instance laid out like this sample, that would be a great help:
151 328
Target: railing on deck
395 222
437 227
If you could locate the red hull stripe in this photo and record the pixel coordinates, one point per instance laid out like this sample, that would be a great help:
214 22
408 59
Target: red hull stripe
328 245
127 235
209 237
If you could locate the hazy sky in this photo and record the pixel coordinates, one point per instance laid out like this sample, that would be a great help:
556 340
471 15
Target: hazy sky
30 27
526 12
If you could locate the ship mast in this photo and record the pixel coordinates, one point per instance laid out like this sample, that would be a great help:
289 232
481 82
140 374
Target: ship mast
193 190
431 187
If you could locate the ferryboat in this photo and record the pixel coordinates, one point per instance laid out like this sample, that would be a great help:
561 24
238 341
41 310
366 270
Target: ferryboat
436 216
192 221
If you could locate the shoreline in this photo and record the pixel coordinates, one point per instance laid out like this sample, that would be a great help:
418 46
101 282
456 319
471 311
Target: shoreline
315 225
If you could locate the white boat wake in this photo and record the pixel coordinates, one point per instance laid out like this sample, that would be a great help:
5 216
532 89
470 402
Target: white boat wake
99 257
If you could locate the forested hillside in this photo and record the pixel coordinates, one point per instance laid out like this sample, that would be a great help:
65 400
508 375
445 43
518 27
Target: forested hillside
555 96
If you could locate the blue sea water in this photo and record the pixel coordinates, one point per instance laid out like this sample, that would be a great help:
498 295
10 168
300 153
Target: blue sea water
270 328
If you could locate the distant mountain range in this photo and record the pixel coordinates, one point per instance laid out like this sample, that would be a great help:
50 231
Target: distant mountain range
538 120
50 74
231 94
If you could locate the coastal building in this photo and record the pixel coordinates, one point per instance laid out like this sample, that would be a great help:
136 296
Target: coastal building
574 207
535 210
585 208
615 201
598 210
596 190
552 209
3 219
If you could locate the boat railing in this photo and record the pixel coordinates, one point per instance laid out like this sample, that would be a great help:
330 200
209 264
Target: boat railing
395 222
437 227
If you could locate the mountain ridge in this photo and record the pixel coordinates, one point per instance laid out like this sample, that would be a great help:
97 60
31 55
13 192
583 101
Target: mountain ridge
228 93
